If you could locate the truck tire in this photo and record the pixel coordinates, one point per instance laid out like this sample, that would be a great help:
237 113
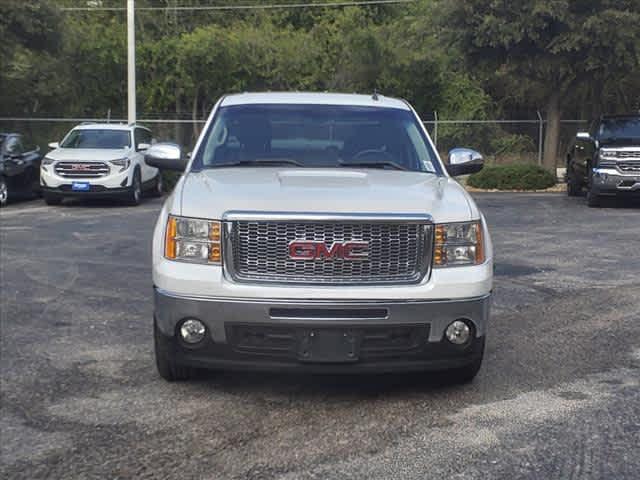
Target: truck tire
52 199
134 195
158 186
466 374
593 200
4 192
574 189
166 358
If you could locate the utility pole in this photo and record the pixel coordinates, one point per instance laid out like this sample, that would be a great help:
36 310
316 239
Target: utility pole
131 62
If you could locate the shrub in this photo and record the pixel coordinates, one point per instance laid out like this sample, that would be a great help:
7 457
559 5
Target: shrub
512 177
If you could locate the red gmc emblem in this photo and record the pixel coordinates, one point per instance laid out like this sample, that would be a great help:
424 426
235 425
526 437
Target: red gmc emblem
80 166
310 250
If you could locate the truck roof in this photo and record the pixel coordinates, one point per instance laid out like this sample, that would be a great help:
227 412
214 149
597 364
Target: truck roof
301 98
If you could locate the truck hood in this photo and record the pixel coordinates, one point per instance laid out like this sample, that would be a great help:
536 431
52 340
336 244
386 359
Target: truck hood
87 154
211 193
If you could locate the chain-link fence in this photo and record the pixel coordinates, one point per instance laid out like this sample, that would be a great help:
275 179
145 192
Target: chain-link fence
501 141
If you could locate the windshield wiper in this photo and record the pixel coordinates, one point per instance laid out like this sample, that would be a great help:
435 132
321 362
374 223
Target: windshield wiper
257 161
373 164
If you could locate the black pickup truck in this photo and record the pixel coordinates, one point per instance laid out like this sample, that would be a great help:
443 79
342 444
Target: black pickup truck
19 169
605 161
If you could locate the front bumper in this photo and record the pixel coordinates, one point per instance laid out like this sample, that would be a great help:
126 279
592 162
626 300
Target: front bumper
265 334
608 181
95 191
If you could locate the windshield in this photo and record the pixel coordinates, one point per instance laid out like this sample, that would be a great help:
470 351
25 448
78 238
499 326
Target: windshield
316 136
620 128
107 139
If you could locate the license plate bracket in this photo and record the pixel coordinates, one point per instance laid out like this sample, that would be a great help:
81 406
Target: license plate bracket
324 345
80 186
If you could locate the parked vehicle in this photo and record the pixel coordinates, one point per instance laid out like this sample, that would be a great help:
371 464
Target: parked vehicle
606 160
19 168
319 232
100 160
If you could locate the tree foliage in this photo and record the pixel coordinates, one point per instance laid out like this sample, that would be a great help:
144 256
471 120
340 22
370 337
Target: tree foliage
465 59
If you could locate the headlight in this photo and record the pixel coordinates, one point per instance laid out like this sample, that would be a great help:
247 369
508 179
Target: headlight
458 244
47 161
193 240
121 162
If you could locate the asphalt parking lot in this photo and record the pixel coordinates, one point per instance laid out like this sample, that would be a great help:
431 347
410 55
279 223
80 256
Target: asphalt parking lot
557 397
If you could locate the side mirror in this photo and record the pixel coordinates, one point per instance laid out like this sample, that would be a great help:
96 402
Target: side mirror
585 136
54 145
143 146
165 156
464 161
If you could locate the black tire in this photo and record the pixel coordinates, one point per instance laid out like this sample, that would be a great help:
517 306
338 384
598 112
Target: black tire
4 192
466 374
165 350
593 200
158 186
52 199
574 189
134 196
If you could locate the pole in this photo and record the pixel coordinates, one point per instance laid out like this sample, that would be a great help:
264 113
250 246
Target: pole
540 135
131 62
435 129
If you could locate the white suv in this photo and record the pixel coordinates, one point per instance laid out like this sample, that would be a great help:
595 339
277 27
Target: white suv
319 232
100 160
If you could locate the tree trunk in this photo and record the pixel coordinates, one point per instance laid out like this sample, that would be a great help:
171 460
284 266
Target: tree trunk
194 117
552 133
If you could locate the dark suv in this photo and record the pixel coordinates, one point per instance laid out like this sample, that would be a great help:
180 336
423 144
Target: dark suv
606 160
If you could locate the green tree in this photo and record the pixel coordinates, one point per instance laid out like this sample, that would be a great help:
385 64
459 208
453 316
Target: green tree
545 51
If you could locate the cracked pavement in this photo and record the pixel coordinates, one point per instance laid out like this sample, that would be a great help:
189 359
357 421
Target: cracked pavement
558 395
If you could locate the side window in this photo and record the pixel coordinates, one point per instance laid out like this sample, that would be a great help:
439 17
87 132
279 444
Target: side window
14 146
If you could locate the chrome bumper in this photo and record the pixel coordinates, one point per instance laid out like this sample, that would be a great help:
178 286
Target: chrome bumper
608 180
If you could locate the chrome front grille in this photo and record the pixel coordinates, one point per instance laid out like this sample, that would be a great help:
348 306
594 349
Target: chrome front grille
258 251
628 154
629 166
81 169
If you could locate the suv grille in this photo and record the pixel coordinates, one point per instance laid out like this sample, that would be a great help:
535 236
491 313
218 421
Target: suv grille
81 169
259 251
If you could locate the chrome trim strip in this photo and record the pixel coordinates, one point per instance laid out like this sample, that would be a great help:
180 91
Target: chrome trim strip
320 302
233 216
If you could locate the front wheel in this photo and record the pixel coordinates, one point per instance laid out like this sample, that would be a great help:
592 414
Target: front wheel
466 374
134 195
4 192
593 200
158 186
573 187
166 363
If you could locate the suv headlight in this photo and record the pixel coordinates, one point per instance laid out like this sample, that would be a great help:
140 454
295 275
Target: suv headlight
47 161
193 240
121 162
458 244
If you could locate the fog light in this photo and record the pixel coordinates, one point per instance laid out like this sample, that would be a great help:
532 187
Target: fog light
192 331
458 332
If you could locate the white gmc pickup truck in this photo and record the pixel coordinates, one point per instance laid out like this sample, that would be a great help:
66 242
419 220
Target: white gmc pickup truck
323 233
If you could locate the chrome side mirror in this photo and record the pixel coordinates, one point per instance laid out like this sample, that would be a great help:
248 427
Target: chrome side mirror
464 161
54 145
143 146
165 156
585 136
